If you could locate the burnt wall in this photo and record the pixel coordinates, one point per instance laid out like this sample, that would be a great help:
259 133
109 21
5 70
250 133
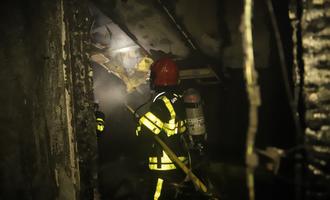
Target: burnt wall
80 75
316 53
47 133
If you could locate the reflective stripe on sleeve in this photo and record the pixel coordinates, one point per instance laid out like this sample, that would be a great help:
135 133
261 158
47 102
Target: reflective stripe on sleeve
154 124
171 124
154 119
171 132
173 128
151 126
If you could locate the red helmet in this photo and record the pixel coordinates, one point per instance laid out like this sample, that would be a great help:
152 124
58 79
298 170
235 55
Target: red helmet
164 72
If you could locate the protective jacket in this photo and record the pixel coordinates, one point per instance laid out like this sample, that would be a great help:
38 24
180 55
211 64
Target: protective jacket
166 118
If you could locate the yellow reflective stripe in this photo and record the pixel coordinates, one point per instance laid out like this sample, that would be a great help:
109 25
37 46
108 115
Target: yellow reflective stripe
154 119
171 132
158 188
153 160
151 126
100 127
166 162
99 119
137 131
164 158
182 122
154 124
171 124
163 167
182 126
172 128
169 106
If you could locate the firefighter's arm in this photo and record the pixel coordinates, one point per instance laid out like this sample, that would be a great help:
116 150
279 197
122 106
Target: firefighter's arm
152 121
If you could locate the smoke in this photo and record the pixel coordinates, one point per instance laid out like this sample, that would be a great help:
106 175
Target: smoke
109 90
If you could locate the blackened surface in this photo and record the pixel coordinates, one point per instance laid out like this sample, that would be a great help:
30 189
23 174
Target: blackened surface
315 42
26 167
78 24
33 125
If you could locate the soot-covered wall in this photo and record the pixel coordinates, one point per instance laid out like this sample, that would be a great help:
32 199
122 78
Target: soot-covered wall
47 140
315 53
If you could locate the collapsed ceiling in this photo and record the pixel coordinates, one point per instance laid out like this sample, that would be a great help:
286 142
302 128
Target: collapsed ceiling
129 34
133 33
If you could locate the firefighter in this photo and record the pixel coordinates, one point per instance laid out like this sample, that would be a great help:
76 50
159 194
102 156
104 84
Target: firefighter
166 118
100 117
